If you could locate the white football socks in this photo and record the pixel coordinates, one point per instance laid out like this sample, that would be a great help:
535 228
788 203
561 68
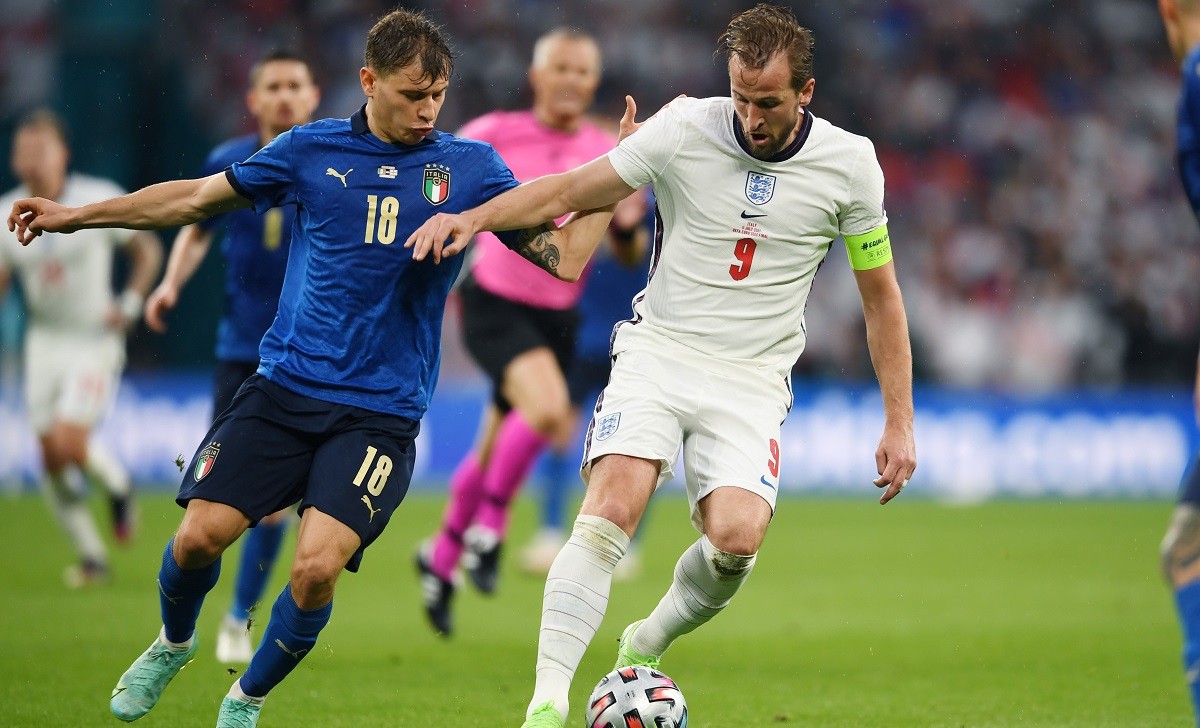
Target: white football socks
706 578
573 605
69 507
236 692
104 470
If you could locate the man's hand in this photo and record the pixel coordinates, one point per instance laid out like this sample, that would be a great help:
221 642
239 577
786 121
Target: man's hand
432 236
628 125
895 461
33 216
163 299
125 311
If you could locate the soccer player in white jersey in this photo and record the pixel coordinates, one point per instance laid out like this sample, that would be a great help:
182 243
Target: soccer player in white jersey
752 191
75 342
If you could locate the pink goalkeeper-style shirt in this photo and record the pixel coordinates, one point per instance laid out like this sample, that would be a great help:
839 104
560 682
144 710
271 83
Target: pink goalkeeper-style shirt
531 150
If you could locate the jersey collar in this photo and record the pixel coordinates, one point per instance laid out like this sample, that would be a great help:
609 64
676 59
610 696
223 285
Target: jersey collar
358 125
787 152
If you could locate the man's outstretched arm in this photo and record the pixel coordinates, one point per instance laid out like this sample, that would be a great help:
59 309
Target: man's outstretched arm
891 355
168 204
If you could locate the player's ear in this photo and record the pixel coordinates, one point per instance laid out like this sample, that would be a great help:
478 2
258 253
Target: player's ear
367 78
1168 9
807 92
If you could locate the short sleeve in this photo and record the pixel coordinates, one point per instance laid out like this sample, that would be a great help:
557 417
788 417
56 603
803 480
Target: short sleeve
641 157
864 210
267 179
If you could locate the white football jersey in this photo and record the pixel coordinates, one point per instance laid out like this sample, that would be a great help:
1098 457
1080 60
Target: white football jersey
739 239
66 279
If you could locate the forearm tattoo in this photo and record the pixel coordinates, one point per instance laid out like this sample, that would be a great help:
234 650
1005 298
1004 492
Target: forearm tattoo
534 245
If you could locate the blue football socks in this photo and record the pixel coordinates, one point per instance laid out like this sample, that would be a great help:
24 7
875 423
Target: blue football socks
258 556
290 635
1187 601
181 592
557 469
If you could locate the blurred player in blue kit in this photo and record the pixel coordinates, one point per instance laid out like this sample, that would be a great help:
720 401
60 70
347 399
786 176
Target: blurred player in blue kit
1181 546
348 366
282 94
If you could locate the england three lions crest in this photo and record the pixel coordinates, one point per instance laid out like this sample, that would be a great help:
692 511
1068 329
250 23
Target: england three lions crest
436 183
760 188
607 426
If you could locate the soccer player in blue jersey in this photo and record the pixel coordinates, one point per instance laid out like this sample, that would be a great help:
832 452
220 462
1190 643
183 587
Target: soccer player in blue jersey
282 94
1181 546
348 366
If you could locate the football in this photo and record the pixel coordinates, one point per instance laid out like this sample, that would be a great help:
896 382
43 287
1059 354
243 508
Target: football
636 697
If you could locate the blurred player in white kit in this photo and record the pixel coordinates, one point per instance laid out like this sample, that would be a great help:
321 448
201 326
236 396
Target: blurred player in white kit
75 338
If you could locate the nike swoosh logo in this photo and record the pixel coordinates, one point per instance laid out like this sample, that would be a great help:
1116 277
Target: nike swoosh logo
763 479
117 691
751 217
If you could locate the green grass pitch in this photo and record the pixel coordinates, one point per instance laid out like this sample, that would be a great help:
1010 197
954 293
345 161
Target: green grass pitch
916 614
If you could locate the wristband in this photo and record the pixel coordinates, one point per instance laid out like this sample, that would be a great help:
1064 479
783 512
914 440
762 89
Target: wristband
130 303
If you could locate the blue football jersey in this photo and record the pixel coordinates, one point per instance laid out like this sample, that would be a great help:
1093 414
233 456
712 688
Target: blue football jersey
1188 133
255 248
359 320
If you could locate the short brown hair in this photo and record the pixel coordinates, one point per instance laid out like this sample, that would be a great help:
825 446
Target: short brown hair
46 119
279 54
756 35
403 36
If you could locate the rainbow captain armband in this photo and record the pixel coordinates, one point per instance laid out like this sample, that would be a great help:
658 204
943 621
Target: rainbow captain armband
869 250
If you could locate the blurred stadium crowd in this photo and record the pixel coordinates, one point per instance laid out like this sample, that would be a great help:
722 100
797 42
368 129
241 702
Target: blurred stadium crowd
1042 239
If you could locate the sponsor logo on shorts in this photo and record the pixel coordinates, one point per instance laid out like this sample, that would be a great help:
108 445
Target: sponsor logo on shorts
607 425
204 463
764 481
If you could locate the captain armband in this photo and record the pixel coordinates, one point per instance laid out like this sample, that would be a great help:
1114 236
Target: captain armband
869 250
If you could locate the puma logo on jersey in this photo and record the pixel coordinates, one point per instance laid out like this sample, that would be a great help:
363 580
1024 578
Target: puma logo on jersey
297 654
331 172
373 511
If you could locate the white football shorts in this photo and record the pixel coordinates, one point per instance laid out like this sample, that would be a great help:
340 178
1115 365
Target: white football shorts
70 377
725 417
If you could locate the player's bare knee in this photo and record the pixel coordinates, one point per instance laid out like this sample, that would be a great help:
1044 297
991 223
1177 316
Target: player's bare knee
66 445
739 536
1180 549
51 460
197 546
312 579
621 512
550 419
55 455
